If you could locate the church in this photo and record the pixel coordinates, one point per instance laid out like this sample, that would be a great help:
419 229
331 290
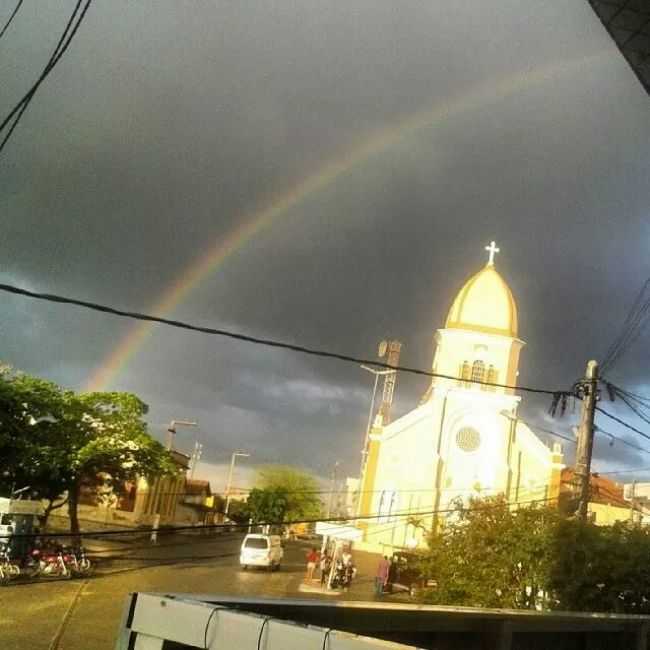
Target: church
465 438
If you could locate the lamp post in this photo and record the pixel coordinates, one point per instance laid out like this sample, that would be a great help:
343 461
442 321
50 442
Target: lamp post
171 431
233 458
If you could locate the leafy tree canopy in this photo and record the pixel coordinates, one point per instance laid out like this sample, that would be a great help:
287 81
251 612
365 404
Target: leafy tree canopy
59 441
490 555
267 505
301 490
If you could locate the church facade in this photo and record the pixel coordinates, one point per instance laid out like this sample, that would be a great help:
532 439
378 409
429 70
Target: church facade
464 439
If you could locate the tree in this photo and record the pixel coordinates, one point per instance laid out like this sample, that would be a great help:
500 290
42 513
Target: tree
491 555
107 443
30 437
238 512
268 505
57 441
300 489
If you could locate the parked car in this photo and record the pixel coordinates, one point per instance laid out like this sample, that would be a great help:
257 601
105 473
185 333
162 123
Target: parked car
261 550
406 575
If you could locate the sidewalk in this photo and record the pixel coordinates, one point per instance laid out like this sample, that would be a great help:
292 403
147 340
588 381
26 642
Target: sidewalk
363 585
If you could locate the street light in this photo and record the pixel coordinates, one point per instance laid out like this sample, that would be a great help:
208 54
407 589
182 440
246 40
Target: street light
171 431
243 454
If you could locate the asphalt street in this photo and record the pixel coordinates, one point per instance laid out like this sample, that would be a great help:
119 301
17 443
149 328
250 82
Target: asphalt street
81 614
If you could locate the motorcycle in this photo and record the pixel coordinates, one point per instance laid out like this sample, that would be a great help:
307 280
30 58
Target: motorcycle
343 574
47 561
8 569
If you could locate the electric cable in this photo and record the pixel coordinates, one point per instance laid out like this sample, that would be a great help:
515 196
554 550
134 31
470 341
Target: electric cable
257 340
11 17
61 47
622 422
623 471
338 519
631 328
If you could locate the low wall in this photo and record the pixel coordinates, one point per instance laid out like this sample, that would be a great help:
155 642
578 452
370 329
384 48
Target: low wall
455 628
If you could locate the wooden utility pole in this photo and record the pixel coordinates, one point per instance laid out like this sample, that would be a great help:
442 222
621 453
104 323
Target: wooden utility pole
589 391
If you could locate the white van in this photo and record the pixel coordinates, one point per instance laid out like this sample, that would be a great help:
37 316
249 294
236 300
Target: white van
261 550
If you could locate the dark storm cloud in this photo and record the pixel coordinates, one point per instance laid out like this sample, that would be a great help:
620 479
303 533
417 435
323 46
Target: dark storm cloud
166 123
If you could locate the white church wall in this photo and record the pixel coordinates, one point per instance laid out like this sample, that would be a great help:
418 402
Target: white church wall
404 478
534 471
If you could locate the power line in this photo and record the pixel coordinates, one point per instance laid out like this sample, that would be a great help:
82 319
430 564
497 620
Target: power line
622 440
623 423
257 340
339 519
552 433
631 328
64 42
13 13
624 471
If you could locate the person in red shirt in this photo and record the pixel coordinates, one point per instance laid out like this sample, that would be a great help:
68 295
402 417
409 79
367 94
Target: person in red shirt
312 562
381 577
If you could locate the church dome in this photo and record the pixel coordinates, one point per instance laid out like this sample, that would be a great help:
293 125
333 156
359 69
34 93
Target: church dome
485 304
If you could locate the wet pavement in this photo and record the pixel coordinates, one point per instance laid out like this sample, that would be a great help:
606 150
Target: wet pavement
80 614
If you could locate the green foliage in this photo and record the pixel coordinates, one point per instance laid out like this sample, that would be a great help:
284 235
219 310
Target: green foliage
602 568
268 505
59 441
490 555
493 556
238 512
301 490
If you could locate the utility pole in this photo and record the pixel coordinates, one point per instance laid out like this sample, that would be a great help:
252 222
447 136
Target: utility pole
233 458
332 485
196 456
589 392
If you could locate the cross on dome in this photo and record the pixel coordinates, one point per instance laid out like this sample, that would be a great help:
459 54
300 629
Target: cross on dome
492 250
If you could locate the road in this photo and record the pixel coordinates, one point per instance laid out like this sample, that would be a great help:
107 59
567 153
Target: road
82 614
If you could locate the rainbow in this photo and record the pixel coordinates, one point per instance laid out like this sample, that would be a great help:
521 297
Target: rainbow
379 141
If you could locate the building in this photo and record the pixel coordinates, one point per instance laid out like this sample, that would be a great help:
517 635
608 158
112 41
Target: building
607 499
464 439
197 504
138 502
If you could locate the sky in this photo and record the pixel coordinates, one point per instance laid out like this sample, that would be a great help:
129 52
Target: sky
169 125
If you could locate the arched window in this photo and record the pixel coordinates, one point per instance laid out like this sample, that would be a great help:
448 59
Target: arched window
478 370
492 377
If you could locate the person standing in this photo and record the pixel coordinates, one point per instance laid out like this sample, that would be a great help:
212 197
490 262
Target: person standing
312 561
325 566
381 577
